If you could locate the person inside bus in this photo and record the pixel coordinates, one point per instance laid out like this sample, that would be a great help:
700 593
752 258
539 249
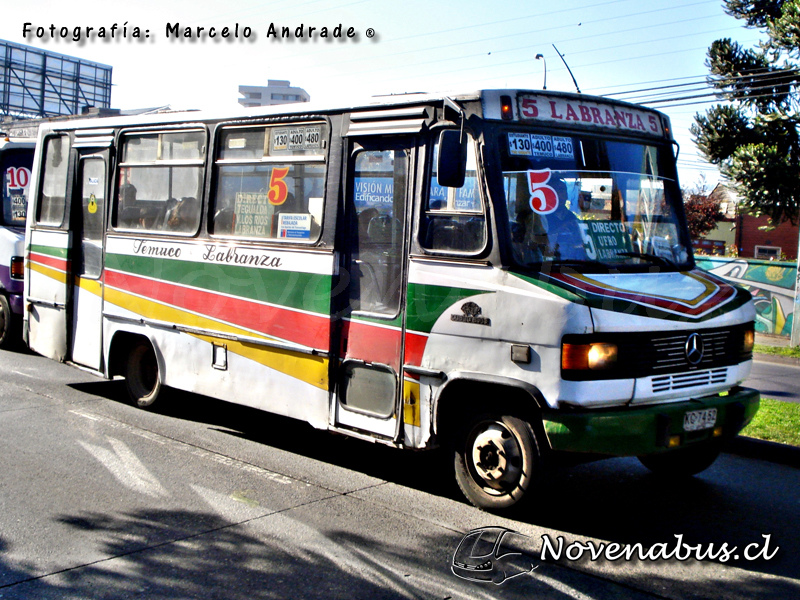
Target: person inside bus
183 218
539 237
129 212
563 232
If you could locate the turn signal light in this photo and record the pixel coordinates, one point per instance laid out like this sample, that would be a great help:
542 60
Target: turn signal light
17 267
506 110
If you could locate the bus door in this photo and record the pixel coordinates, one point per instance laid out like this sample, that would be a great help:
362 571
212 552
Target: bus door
88 227
373 271
48 249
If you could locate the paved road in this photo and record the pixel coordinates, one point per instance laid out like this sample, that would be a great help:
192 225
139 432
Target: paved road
209 500
775 380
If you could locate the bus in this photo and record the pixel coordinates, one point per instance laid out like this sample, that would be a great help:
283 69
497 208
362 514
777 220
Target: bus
16 160
505 274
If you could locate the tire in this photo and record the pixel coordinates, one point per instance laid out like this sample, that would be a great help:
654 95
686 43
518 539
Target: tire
10 333
684 462
497 460
142 376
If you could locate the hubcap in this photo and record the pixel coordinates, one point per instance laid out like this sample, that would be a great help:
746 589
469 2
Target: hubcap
496 456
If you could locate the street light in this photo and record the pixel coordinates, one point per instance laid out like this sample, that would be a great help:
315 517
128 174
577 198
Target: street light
540 56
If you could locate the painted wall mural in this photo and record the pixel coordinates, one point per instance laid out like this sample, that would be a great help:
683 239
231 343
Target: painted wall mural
771 284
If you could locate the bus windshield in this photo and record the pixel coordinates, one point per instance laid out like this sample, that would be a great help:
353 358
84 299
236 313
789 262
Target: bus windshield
579 199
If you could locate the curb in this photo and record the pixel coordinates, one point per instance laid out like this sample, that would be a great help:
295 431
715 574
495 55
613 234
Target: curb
776 358
770 451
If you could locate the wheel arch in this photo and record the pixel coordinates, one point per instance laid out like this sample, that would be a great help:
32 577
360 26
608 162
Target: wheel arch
464 394
122 342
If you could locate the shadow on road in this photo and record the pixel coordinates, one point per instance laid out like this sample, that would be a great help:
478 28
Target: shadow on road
734 502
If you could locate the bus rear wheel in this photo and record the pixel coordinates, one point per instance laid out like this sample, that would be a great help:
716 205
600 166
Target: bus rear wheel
683 462
142 377
497 460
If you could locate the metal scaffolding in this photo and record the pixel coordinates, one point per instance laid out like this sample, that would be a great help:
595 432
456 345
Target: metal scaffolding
37 83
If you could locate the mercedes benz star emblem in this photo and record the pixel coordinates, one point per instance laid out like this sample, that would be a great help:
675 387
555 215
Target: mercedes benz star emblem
694 348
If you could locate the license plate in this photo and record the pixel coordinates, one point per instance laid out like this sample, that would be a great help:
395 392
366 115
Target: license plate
699 419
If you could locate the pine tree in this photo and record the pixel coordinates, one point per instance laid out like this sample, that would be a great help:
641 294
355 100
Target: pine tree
755 139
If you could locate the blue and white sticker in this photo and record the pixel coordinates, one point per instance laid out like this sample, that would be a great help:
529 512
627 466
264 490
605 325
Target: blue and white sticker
540 146
562 147
519 144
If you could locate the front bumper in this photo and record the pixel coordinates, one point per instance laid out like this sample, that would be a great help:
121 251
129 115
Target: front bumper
640 430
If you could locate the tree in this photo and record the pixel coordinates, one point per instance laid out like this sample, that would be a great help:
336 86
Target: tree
702 213
755 139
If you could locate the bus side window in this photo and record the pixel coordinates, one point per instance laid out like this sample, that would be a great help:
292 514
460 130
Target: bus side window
453 219
160 182
257 195
52 194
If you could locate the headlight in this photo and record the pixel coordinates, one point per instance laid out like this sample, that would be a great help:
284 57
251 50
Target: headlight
595 357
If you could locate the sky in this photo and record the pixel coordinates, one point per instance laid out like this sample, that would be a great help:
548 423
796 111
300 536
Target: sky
618 48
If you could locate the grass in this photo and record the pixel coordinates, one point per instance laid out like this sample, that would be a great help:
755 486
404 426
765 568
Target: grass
776 421
779 350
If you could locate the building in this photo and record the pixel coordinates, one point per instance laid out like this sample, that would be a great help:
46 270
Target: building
744 232
36 83
276 91
779 243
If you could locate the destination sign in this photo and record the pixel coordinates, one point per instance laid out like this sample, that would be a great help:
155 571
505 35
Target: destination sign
533 107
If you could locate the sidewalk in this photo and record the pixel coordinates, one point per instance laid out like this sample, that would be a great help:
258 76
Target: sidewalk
778 341
755 448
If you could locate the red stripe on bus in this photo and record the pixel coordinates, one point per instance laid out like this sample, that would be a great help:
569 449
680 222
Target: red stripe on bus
415 348
49 261
301 328
717 297
373 343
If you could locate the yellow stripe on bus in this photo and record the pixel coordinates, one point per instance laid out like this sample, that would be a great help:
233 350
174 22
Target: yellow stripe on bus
59 276
312 370
411 402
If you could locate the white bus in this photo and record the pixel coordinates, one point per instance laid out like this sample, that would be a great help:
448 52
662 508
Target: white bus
505 273
16 158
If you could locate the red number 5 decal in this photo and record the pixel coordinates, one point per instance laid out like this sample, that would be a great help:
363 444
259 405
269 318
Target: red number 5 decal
544 199
278 192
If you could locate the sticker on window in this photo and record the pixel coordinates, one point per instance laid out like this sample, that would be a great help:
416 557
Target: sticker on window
542 145
294 226
544 199
519 144
562 147
605 240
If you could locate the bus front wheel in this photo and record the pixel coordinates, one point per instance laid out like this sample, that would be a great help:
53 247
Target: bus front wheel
142 377
497 460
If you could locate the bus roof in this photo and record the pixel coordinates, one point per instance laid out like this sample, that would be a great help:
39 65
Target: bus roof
375 102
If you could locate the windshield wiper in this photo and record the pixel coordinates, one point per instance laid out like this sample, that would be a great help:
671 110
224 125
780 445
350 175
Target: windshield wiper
651 257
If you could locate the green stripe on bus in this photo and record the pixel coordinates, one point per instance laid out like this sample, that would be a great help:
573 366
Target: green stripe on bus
302 291
49 250
426 303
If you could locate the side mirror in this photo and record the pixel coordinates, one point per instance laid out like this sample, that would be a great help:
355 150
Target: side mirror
451 168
